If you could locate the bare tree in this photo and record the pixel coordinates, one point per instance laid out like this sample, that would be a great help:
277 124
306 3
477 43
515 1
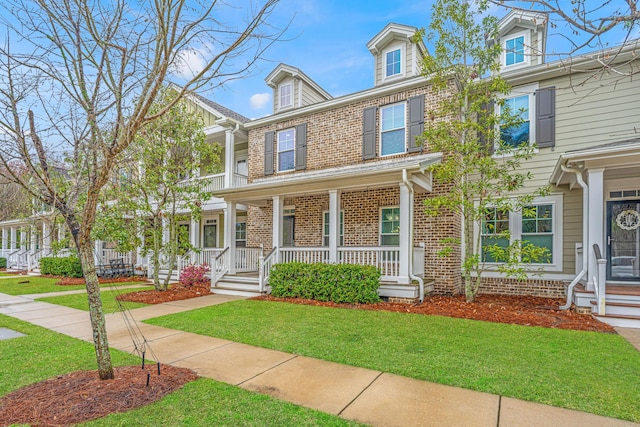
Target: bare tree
77 80
15 200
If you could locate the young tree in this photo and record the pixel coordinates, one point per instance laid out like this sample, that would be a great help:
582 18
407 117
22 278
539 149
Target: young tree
77 82
15 200
481 166
154 192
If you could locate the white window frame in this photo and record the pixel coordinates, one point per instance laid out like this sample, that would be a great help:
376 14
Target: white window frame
392 48
381 131
515 228
245 233
516 92
282 86
527 50
325 221
382 208
293 150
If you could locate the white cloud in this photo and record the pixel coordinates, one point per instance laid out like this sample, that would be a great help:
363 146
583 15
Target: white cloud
259 100
191 63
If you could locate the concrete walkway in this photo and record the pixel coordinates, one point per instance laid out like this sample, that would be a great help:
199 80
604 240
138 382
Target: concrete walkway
367 396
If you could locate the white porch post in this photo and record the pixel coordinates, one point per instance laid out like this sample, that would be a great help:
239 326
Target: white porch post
596 221
33 238
194 237
405 234
230 234
97 253
278 210
23 239
5 244
229 158
166 234
14 239
140 247
334 225
46 236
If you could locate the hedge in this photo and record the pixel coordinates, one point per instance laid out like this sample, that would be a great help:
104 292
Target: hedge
67 266
3 263
342 283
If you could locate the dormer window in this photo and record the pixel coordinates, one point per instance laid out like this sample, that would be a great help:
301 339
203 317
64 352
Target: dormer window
285 98
393 63
516 50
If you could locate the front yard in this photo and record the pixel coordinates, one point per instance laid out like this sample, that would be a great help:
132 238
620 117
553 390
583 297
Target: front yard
39 285
587 371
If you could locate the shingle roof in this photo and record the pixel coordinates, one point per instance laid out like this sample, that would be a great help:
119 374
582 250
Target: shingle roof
222 109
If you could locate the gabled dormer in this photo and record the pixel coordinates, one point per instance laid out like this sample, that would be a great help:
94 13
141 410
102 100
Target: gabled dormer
293 89
523 37
396 56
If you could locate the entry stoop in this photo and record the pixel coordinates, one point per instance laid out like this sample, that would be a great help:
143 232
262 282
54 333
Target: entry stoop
244 286
622 308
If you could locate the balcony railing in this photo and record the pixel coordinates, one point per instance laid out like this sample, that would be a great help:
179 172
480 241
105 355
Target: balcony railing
216 182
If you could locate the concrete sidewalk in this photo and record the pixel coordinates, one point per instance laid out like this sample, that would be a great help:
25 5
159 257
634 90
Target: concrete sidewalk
367 396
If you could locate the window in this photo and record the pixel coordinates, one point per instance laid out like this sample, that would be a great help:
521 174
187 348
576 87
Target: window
325 229
241 234
393 63
514 51
494 225
285 95
518 134
537 229
286 145
392 129
209 236
390 227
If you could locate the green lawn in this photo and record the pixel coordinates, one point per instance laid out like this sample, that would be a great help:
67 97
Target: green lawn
41 285
45 354
109 303
587 371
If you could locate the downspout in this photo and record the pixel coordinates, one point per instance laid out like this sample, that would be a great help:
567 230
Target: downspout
585 233
407 184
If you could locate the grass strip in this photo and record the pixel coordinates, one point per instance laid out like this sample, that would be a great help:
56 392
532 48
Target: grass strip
40 285
109 303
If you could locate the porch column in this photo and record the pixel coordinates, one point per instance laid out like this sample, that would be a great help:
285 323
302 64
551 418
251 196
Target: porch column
140 260
194 233
278 210
98 256
596 222
230 234
405 234
229 158
334 225
33 238
46 236
5 243
14 239
166 233
23 239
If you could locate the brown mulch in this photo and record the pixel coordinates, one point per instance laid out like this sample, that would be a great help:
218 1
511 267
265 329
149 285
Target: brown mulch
176 292
82 396
519 310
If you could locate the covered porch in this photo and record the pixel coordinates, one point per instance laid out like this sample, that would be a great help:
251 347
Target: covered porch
24 242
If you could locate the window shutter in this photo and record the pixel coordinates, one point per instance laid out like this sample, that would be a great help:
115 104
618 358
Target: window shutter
268 152
546 117
369 133
486 109
416 122
301 146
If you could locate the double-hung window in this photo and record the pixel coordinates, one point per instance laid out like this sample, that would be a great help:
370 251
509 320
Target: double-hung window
514 51
495 227
286 148
325 229
519 133
241 234
393 129
390 226
537 230
393 63
285 98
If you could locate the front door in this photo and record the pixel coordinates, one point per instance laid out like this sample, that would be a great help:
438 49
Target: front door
623 240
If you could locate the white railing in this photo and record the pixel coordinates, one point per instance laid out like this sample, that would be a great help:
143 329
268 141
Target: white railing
104 256
211 182
12 258
387 259
306 255
205 256
22 259
248 259
239 180
34 258
220 266
264 269
600 282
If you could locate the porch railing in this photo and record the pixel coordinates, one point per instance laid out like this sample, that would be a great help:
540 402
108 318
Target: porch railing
12 258
306 255
220 266
104 256
248 259
209 182
387 259
265 264
600 282
239 180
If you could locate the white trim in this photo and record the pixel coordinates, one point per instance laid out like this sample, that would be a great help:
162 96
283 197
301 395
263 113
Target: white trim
516 92
277 142
380 209
327 213
281 86
403 61
380 132
527 50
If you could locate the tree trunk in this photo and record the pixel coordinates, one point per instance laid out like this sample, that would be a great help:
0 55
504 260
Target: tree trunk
98 324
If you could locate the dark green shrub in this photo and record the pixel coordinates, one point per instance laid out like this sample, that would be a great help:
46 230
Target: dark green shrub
3 263
67 266
342 283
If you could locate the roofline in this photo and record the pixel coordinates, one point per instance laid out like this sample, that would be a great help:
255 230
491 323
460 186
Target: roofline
295 72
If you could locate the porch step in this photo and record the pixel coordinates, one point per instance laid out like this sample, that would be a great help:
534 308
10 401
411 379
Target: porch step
626 308
237 285
621 321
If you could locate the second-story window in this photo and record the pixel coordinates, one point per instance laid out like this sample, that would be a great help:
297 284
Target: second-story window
285 98
286 150
518 134
393 63
392 129
514 50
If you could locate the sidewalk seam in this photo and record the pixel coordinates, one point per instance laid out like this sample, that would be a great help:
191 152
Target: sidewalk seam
270 369
359 394
499 407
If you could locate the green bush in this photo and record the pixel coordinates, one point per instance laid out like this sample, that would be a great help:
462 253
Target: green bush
3 263
67 266
342 283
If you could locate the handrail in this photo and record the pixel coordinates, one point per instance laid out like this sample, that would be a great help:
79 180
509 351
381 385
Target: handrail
220 266
264 269
600 284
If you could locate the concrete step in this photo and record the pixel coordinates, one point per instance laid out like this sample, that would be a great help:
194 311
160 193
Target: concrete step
237 285
620 320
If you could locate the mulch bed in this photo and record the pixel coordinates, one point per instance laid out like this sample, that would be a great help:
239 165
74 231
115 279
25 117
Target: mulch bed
75 281
82 396
176 292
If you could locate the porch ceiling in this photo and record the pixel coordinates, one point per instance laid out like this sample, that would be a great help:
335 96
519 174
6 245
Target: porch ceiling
379 174
613 157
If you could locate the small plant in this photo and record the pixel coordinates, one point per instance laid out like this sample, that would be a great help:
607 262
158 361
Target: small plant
3 263
194 274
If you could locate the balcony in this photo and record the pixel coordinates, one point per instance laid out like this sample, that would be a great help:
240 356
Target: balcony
216 182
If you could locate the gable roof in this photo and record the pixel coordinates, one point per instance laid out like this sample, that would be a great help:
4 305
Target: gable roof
283 70
391 32
220 110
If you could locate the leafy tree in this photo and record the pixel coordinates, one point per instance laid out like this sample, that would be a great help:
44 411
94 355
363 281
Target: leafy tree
153 190
483 179
81 84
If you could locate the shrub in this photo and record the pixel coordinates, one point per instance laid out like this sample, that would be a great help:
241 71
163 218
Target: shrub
3 263
66 267
341 283
194 274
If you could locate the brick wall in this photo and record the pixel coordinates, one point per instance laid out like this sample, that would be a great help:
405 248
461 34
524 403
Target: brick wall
533 287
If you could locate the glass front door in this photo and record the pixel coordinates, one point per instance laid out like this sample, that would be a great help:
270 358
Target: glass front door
623 240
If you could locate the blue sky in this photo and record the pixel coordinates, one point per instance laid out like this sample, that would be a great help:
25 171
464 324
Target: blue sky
327 41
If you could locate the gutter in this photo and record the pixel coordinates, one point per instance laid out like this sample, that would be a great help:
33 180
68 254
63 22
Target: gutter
407 184
585 233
